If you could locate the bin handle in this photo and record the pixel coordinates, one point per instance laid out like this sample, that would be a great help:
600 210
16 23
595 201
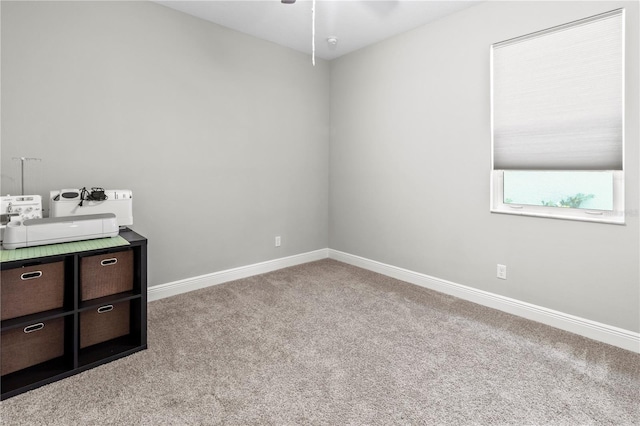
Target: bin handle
31 275
105 308
107 262
34 327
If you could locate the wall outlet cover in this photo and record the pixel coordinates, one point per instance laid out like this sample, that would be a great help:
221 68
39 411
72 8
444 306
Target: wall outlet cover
502 272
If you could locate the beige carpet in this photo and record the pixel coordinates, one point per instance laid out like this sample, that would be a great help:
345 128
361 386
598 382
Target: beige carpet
328 343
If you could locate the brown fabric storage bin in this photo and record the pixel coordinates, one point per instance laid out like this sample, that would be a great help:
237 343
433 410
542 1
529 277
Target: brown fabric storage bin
104 323
22 349
106 274
32 289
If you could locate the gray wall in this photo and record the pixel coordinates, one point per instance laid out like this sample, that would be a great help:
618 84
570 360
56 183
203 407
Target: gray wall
224 140
410 163
222 137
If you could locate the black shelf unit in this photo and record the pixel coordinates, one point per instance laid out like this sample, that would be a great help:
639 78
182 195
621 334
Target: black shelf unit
76 359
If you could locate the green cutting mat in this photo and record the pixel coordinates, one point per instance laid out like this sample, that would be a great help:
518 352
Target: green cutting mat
62 248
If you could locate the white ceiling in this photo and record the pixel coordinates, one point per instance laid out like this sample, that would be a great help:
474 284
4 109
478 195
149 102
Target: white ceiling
355 23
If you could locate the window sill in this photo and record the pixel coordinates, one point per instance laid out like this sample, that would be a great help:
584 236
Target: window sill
609 217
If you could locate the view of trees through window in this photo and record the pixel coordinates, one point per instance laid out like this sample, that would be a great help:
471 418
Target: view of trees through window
575 189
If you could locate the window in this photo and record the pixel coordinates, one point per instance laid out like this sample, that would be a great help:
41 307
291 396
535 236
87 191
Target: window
557 120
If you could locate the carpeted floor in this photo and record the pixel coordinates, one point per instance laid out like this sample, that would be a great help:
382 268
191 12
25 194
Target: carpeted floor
328 343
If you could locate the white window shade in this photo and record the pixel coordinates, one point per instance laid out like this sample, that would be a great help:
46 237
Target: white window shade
558 97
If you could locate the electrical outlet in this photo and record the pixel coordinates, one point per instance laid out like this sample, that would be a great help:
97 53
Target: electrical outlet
278 241
502 272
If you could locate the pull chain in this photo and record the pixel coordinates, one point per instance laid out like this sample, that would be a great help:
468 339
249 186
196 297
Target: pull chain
313 33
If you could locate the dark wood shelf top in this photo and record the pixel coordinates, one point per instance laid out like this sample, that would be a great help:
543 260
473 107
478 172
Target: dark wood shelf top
133 237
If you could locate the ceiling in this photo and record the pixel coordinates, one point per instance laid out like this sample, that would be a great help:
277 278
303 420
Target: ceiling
355 23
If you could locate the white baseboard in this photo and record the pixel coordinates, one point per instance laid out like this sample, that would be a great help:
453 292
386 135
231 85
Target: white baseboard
195 283
594 330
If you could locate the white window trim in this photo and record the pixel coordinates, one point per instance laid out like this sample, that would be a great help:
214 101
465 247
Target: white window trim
615 216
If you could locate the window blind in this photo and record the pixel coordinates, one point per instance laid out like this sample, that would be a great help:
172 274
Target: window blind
557 98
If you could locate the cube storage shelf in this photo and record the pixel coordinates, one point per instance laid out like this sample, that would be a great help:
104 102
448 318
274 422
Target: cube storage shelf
64 314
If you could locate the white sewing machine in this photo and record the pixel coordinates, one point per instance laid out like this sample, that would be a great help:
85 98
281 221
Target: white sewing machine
68 202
